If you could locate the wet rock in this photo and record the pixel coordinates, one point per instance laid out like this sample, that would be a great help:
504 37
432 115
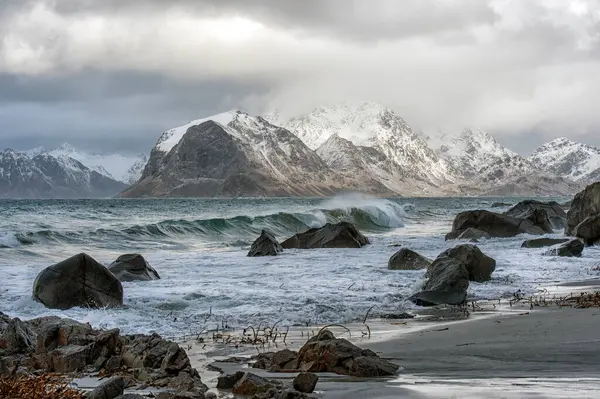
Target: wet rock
527 210
265 245
18 337
585 204
229 381
589 230
79 281
573 248
283 360
305 382
340 235
251 384
325 353
501 204
472 234
479 265
544 242
447 284
495 224
110 389
406 259
133 267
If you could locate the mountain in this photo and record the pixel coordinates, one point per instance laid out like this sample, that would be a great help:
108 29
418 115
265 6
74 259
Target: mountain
233 154
565 158
45 176
126 169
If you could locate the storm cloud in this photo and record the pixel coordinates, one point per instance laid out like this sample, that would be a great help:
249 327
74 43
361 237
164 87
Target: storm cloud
112 75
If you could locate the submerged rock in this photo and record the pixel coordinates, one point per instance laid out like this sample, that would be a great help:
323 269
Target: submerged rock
340 235
133 267
527 210
573 248
79 281
585 204
326 353
265 245
544 242
495 224
406 259
479 265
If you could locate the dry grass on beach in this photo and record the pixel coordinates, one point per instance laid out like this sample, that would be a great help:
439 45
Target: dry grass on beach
46 386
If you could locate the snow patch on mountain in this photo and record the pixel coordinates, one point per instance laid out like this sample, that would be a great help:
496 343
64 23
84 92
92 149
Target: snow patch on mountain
568 159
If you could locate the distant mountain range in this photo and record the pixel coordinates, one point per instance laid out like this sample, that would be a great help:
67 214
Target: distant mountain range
344 147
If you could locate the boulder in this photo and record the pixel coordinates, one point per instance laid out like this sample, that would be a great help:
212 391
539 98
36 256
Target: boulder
585 204
472 234
283 360
110 389
340 235
447 284
325 353
79 281
479 265
305 382
229 381
553 210
495 224
501 204
133 267
265 245
251 384
544 242
573 248
18 337
406 259
589 230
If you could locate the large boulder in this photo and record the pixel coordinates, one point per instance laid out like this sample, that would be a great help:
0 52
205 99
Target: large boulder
406 259
447 283
79 281
305 382
265 245
479 265
474 235
585 204
251 384
340 235
543 242
326 353
133 267
526 210
573 248
495 224
589 230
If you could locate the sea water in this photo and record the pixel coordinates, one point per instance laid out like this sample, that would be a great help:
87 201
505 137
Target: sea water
199 248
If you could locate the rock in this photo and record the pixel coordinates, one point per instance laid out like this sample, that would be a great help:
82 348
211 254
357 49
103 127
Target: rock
472 234
110 389
68 359
265 245
305 382
589 230
479 265
340 235
566 205
79 281
573 248
405 259
251 384
229 381
495 224
131 396
543 242
18 337
500 204
585 204
447 284
113 364
133 267
325 353
526 210
283 360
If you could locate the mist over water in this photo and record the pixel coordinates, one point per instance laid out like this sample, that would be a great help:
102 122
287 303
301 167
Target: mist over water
199 248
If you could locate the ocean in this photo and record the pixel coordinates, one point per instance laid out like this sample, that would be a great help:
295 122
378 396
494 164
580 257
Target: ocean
199 248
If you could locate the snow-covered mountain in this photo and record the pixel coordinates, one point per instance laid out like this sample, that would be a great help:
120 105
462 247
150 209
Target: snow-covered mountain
44 176
565 158
126 169
233 154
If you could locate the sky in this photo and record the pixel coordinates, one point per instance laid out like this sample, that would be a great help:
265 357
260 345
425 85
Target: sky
112 75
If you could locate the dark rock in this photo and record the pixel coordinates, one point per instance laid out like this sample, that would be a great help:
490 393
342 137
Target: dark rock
113 364
585 204
479 265
18 336
573 248
325 353
229 381
495 224
79 281
406 259
543 242
69 358
447 284
472 234
110 389
589 230
305 382
131 396
265 245
397 316
526 210
283 360
340 235
500 204
133 267
251 384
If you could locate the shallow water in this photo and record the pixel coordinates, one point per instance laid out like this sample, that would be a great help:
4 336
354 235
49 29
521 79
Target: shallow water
199 248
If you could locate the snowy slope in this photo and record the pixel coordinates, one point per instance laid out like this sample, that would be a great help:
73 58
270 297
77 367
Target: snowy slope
568 159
